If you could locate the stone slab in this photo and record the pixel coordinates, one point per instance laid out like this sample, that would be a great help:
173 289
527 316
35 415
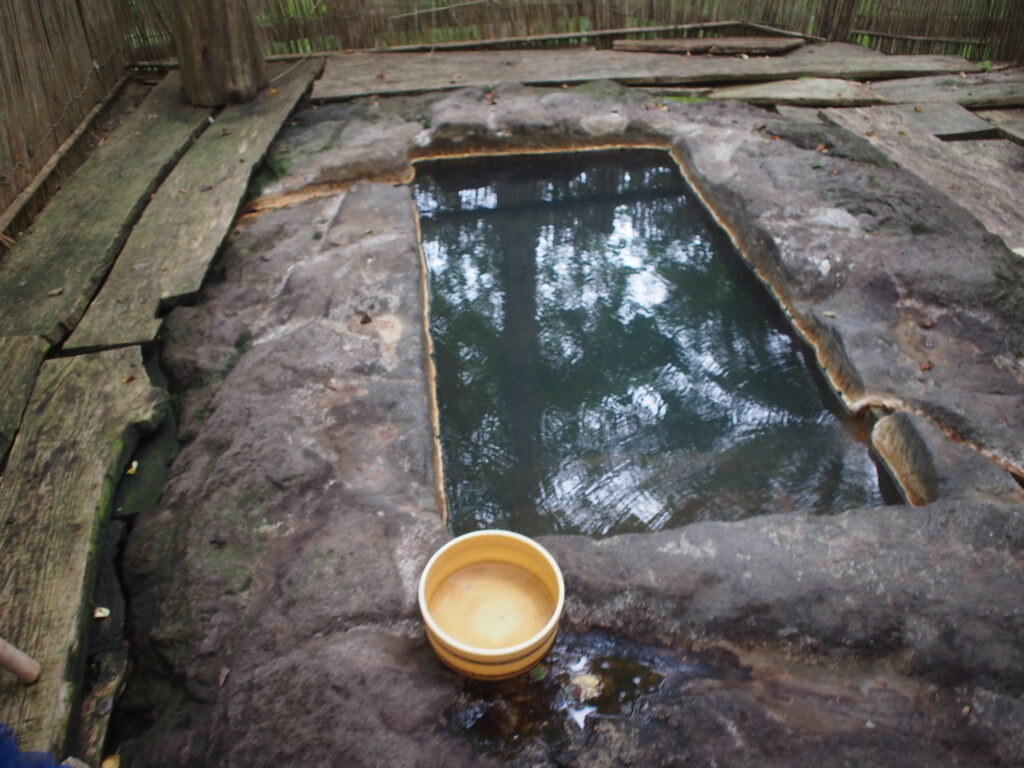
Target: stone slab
49 277
946 121
1010 122
350 75
981 90
891 636
985 177
80 425
20 358
169 251
805 92
716 46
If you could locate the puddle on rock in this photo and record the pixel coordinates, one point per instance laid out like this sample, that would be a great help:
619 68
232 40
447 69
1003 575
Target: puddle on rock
607 363
585 677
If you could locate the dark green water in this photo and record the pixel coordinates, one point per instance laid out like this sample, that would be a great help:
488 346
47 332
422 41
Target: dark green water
606 362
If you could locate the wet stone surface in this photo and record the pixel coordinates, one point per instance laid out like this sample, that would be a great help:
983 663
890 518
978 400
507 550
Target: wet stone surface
273 586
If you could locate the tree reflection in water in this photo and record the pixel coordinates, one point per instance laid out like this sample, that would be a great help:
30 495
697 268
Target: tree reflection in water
606 363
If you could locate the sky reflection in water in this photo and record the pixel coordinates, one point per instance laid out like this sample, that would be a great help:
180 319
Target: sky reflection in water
606 363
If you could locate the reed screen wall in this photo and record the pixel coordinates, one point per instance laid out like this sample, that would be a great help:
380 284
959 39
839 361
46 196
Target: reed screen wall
980 29
58 59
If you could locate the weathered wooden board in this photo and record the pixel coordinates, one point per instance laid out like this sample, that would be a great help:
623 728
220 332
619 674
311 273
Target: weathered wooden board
985 177
348 75
719 46
78 430
1010 122
804 114
947 121
20 358
49 277
169 251
978 91
806 92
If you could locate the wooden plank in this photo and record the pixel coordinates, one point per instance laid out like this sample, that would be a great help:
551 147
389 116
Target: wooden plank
948 121
806 92
802 114
20 358
48 278
169 251
348 75
78 431
718 46
976 91
982 176
1010 122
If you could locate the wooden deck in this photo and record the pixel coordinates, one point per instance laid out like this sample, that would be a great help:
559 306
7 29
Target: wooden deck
69 425
135 230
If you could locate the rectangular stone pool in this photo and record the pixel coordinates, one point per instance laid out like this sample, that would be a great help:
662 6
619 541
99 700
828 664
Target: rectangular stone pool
607 363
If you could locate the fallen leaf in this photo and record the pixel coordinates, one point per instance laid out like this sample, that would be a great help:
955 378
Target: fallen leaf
272 91
99 612
586 686
127 379
223 676
55 292
225 131
925 366
919 109
114 761
132 469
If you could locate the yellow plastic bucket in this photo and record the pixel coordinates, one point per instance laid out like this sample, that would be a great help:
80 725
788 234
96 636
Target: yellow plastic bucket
491 602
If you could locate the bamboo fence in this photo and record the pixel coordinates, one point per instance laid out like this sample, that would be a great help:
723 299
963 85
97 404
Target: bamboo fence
979 29
60 58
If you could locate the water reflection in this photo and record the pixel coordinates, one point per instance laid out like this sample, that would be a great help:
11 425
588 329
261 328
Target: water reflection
605 361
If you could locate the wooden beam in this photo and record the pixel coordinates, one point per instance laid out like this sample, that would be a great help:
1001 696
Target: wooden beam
721 46
80 427
168 253
219 49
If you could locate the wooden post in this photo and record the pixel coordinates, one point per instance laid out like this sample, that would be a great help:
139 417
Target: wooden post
836 21
219 51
